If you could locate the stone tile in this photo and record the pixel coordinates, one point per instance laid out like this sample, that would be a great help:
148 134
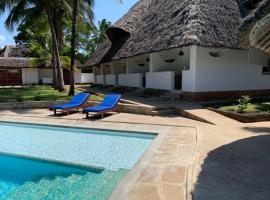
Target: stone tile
168 147
172 192
144 192
174 174
164 158
151 174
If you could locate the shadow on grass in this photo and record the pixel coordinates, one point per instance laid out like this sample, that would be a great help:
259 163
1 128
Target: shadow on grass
236 171
263 107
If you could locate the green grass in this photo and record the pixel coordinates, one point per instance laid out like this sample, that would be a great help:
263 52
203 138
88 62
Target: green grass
253 107
35 93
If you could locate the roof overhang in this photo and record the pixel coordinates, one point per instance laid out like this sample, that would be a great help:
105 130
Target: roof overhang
116 34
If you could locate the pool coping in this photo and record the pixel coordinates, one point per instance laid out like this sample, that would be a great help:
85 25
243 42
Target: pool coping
127 185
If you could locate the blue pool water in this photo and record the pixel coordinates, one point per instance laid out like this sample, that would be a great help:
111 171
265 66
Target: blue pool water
106 156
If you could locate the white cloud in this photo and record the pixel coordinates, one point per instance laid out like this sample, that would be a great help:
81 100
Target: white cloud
2 38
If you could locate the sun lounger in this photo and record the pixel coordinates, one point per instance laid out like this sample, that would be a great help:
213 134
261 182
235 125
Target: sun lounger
107 105
75 103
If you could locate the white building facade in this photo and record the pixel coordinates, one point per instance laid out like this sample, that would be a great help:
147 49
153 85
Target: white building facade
199 73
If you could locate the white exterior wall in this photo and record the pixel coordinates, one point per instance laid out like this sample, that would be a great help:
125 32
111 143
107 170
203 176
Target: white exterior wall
130 80
78 76
133 67
119 68
189 76
100 79
29 75
110 79
88 78
231 71
46 75
158 64
160 80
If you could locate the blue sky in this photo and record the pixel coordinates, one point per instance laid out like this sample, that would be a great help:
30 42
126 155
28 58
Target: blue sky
111 10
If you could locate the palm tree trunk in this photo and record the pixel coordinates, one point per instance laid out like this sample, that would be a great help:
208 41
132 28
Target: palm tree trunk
73 47
61 85
55 82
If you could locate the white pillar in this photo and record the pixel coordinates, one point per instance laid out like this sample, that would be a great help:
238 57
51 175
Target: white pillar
154 61
189 76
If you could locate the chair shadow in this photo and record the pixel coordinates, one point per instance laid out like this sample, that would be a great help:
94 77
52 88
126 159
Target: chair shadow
64 114
236 171
99 117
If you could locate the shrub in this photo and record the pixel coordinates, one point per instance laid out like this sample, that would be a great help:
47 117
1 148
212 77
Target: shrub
243 103
19 99
37 97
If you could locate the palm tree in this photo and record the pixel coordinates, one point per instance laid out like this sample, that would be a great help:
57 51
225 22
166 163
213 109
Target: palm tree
73 38
55 11
86 6
20 9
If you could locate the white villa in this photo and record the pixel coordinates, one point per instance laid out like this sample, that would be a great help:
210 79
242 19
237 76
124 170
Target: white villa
15 69
200 48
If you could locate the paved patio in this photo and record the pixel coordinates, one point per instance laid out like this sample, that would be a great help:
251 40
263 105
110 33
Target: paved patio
228 160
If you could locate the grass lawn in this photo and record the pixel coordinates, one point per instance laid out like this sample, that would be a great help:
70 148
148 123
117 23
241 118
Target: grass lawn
35 93
256 106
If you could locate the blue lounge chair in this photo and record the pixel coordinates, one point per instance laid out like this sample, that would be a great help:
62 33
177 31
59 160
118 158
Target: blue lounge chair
75 103
107 105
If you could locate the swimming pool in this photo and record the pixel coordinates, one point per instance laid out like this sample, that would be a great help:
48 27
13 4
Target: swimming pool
99 161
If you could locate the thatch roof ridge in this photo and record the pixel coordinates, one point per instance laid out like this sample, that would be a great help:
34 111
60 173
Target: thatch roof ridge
13 62
129 20
170 24
16 51
261 9
248 23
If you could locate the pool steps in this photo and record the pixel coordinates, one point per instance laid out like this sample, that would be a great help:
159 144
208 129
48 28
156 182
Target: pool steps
77 187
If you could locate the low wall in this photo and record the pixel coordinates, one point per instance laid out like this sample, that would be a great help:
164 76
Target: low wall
87 78
28 105
244 117
130 80
224 95
110 79
100 79
160 80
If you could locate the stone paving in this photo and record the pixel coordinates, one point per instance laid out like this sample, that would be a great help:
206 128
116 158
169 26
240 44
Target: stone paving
189 160
160 174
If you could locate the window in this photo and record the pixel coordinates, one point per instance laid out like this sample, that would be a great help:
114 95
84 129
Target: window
266 69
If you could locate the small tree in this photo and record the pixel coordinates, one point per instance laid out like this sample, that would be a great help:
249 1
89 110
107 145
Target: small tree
243 103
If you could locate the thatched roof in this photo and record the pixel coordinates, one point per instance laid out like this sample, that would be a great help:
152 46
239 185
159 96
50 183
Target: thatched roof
14 62
255 29
157 25
16 51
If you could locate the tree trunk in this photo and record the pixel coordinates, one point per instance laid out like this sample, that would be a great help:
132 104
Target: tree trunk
73 47
55 82
61 85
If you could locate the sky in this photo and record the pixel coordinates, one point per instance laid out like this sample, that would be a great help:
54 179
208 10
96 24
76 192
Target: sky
111 10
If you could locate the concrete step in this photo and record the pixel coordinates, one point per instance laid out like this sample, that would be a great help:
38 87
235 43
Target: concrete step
172 96
165 112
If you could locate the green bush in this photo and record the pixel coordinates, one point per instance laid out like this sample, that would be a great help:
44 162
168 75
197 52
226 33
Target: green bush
243 103
19 99
38 97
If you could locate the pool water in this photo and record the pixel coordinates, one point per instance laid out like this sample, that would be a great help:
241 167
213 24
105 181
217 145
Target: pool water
27 179
106 157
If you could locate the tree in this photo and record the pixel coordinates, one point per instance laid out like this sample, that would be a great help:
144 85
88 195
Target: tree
73 41
55 11
76 5
32 9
